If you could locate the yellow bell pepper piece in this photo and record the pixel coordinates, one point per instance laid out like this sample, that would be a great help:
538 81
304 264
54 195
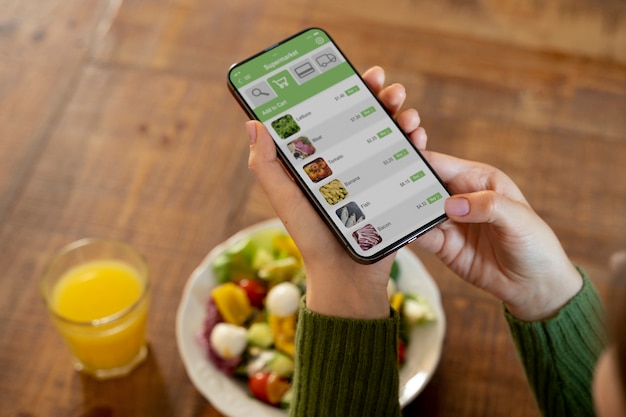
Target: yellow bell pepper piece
286 245
232 302
396 301
284 331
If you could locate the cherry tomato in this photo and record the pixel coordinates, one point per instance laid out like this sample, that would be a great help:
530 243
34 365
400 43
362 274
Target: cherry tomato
255 290
258 385
401 349
268 387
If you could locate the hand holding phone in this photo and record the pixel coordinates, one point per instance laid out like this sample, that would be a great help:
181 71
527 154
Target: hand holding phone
336 284
351 160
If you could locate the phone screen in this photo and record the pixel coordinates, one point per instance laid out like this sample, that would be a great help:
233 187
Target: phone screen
375 190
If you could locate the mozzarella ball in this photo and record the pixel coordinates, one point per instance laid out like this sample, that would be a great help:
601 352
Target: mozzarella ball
228 341
283 299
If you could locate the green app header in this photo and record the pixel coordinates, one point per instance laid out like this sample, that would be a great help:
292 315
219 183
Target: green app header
277 56
289 73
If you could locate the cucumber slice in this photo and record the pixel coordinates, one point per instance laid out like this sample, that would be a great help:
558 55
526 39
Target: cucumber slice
260 334
282 365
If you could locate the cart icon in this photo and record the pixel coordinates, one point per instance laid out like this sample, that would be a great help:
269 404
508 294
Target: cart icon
281 82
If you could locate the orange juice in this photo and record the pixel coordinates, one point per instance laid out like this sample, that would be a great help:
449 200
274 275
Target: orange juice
101 309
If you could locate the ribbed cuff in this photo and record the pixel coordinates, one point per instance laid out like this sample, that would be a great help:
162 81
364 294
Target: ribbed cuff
345 367
559 354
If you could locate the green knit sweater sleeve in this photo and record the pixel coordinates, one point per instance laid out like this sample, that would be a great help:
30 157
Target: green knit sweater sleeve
345 367
559 354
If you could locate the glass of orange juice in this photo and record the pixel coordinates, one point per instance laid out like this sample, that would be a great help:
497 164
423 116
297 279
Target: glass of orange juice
98 293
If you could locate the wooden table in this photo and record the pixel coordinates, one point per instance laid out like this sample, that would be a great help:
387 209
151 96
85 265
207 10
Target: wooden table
115 121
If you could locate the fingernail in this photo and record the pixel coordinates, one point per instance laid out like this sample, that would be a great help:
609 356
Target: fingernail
457 206
251 129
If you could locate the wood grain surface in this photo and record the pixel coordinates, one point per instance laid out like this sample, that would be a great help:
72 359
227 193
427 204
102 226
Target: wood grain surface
115 121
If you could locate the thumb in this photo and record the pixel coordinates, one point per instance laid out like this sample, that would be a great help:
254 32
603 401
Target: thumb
488 207
273 178
262 149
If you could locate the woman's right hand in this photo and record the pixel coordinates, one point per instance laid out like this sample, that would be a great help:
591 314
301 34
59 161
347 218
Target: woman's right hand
495 241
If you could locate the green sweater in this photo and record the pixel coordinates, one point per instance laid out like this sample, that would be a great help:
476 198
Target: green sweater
347 367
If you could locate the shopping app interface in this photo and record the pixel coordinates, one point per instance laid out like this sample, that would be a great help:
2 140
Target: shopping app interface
362 169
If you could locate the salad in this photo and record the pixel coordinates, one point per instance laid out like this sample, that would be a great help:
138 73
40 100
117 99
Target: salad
251 316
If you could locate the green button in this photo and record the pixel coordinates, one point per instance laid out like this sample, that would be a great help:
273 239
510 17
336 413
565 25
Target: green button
434 198
417 176
368 111
352 90
384 133
401 154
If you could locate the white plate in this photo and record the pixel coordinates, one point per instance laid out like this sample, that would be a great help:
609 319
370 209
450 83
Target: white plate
231 397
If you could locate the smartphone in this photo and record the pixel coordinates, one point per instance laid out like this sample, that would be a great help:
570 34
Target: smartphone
358 169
